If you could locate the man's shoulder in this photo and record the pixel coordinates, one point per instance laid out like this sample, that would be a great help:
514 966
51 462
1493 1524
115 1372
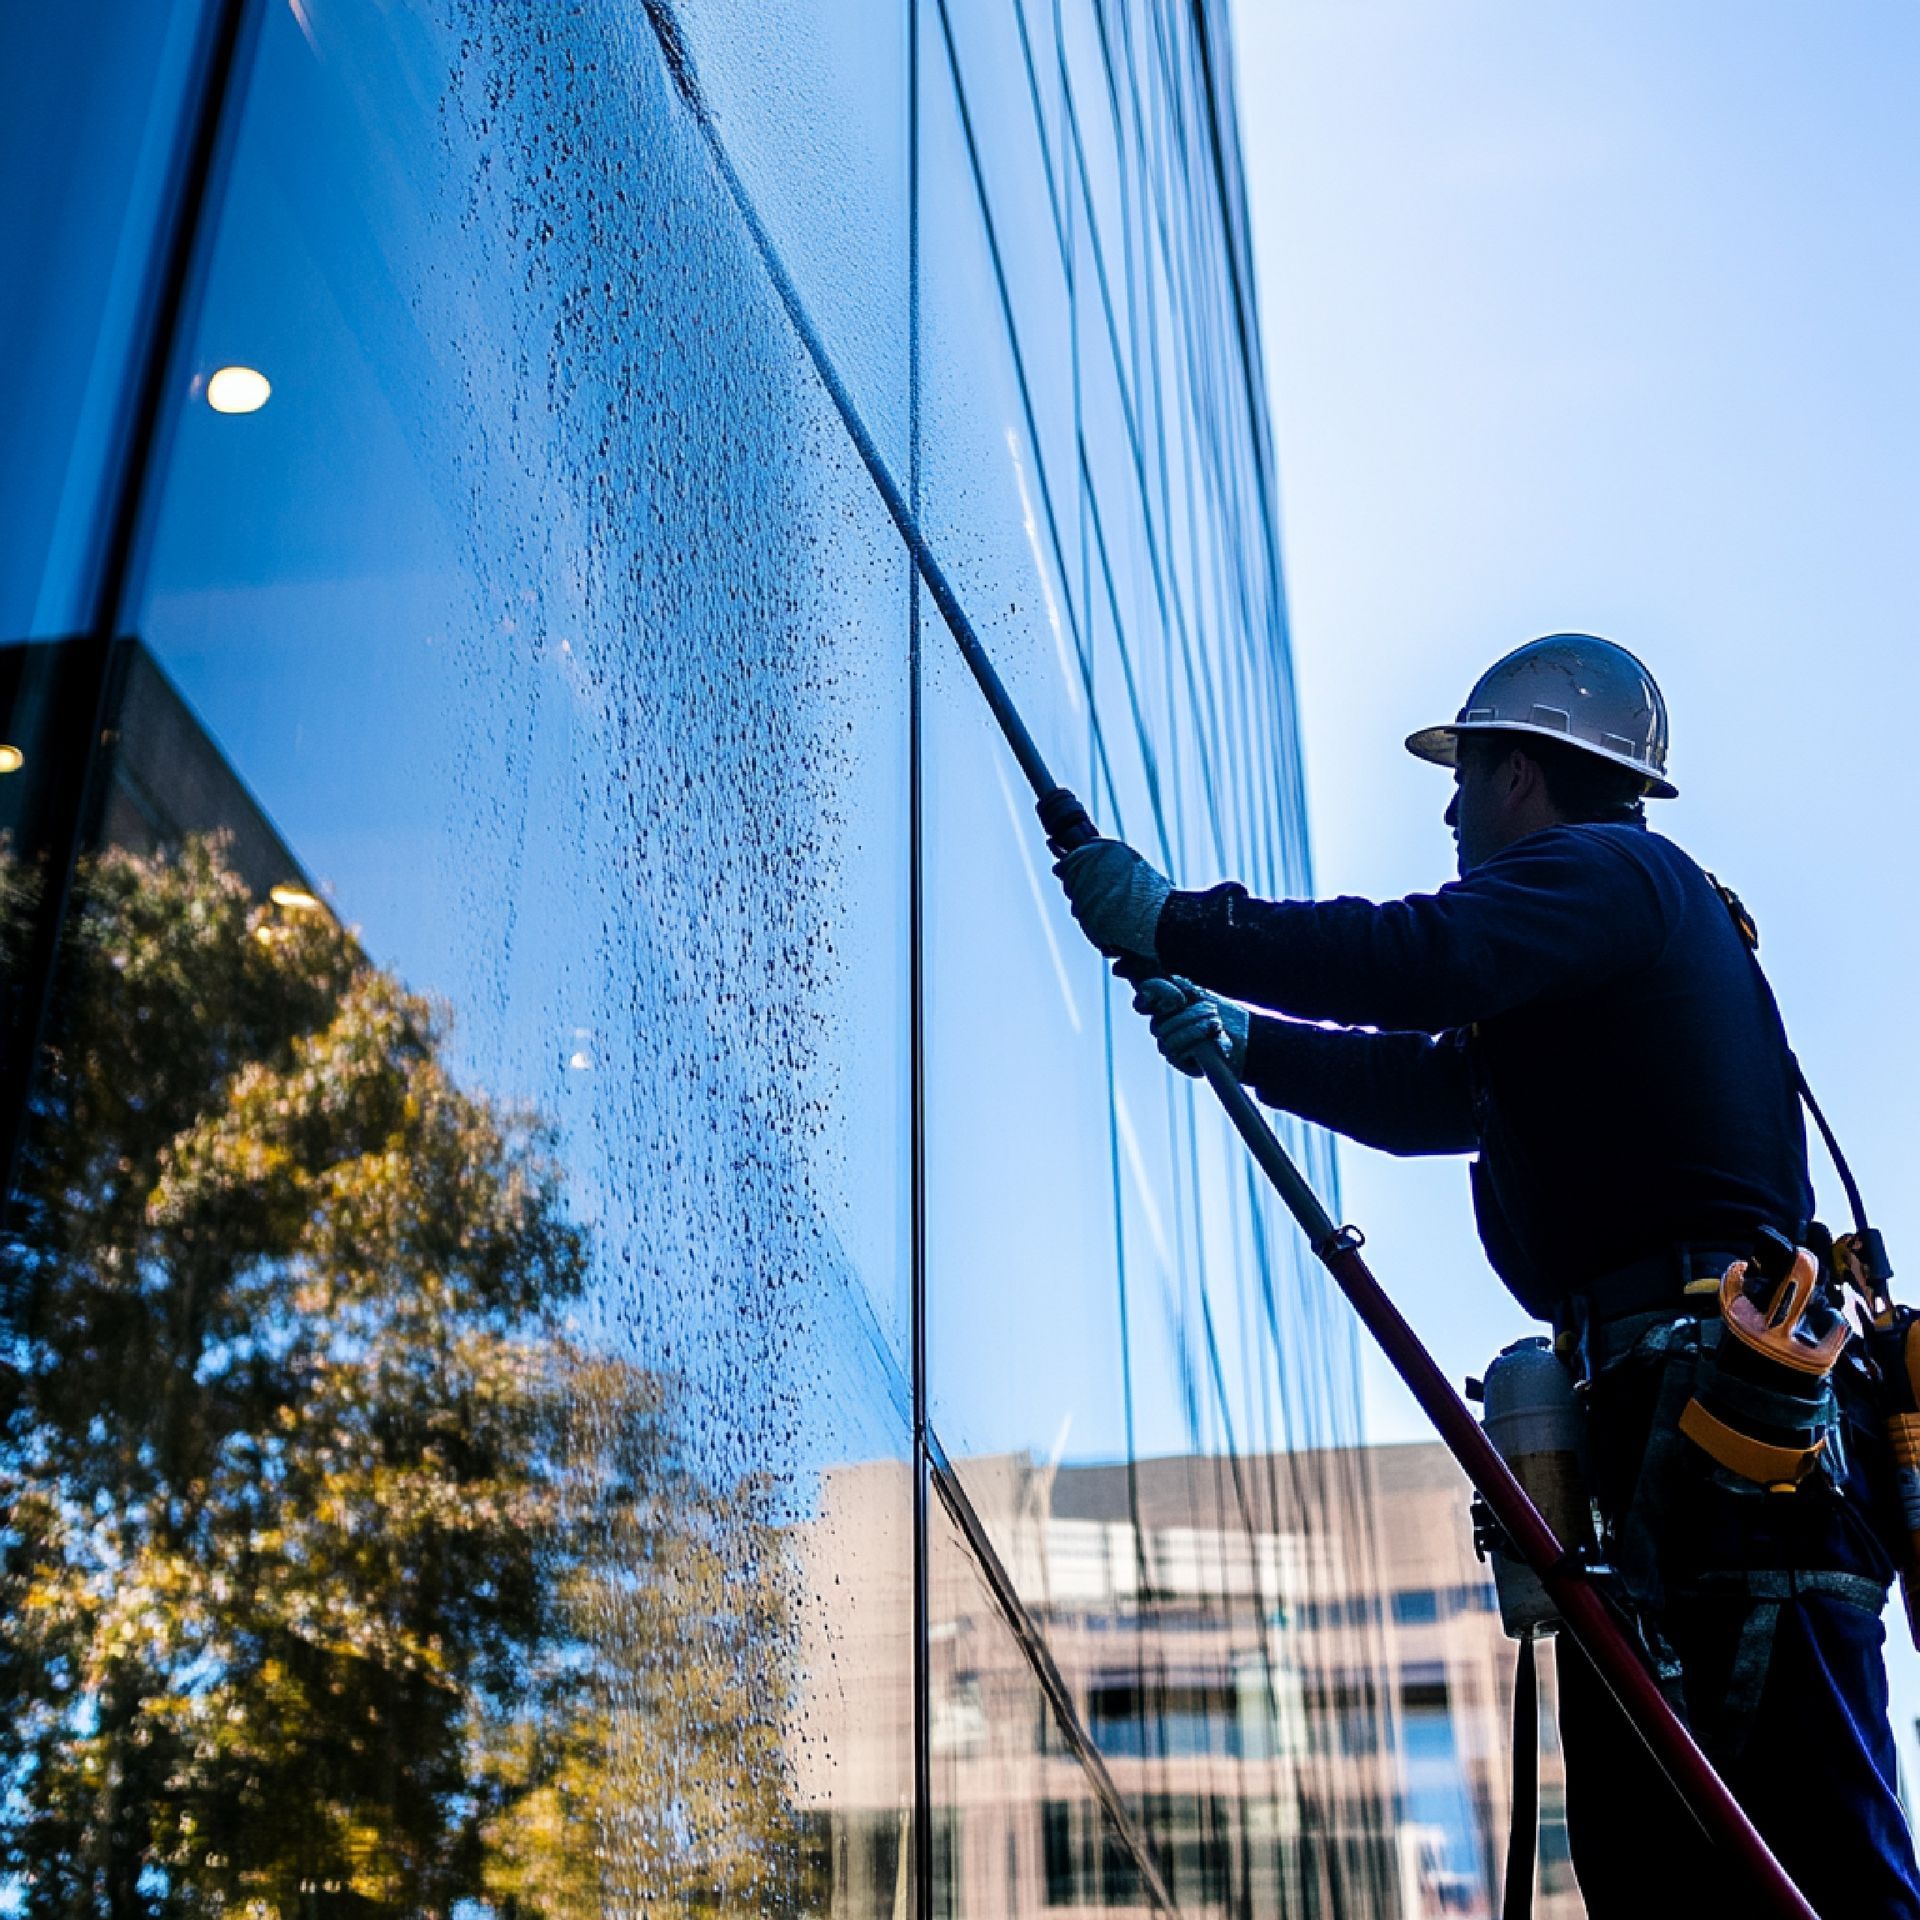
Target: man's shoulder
1630 866
1610 841
1588 843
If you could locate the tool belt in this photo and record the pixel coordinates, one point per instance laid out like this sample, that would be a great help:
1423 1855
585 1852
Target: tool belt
1766 1332
1596 1326
1713 1387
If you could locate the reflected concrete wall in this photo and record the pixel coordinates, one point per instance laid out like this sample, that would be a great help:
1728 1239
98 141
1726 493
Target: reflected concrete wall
1255 1760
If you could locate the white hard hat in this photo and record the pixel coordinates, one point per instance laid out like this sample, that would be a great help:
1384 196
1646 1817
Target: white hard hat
1572 687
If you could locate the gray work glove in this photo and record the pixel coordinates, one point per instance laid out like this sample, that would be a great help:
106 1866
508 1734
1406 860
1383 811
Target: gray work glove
1115 895
1185 1019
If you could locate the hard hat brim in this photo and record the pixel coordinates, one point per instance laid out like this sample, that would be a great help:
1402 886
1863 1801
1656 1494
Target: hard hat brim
1439 747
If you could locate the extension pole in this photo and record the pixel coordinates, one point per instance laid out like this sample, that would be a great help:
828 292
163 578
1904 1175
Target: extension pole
1067 825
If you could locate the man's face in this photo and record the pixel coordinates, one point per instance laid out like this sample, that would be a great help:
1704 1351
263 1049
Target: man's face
1479 810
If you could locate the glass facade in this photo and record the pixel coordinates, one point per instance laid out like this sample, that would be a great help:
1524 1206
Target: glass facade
605 1309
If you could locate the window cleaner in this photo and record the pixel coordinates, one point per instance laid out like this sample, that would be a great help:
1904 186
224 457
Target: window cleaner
1579 1012
1138 900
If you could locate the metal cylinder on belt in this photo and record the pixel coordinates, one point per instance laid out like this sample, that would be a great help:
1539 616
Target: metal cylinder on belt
1536 1425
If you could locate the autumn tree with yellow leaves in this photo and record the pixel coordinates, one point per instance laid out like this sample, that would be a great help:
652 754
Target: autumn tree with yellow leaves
340 1573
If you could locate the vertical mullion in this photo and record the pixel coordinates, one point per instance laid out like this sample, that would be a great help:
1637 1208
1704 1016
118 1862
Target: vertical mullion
916 1046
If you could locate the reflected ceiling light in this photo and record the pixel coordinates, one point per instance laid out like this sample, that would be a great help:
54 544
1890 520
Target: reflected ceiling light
11 759
294 899
582 1062
237 390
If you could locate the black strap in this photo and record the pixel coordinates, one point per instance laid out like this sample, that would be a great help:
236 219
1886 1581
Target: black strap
1638 1534
1516 1903
1656 1284
1766 1591
1749 931
1855 1205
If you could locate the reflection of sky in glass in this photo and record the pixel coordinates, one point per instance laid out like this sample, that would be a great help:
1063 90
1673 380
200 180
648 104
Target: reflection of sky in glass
415 648
415 776
542 606
1096 522
85 147
1437 1797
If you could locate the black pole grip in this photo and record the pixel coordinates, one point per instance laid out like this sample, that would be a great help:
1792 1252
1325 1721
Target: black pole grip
1066 823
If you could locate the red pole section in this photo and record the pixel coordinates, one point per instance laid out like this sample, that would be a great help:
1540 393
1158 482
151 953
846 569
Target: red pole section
1582 1609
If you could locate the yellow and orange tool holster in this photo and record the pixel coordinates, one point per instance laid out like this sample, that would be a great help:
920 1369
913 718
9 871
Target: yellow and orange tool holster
1764 1406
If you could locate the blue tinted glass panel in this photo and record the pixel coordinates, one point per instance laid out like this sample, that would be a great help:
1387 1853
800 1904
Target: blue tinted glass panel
1440 1810
1128 1360
92 95
1023 1324
999 492
1023 1328
986 61
483 1033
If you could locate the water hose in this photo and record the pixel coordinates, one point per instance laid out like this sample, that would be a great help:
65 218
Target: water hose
1067 825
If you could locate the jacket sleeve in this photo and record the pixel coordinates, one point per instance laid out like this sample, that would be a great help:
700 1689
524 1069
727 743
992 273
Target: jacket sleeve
1404 1093
1554 914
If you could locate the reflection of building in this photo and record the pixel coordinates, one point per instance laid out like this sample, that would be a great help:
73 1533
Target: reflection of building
166 777
1455 1675
161 779
1226 1677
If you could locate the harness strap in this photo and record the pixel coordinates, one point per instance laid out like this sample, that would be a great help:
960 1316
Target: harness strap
1849 1185
1637 1556
1768 1590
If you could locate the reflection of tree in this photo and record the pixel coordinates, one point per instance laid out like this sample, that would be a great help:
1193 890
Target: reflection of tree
338 1574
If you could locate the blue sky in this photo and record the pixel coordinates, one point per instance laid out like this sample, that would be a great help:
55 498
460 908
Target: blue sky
1603 318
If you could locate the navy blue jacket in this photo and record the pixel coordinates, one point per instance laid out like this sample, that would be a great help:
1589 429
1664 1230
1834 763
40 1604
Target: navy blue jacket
1579 1011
